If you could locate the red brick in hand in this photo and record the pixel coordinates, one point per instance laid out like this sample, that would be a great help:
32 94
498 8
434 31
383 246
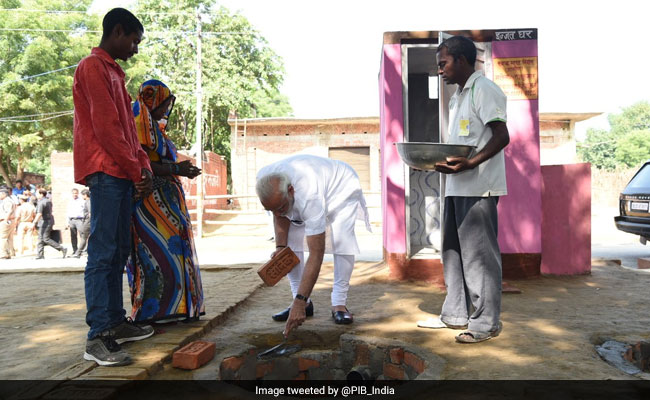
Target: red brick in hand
278 266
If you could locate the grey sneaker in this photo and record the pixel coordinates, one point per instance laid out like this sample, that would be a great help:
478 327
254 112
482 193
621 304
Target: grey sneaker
128 331
106 352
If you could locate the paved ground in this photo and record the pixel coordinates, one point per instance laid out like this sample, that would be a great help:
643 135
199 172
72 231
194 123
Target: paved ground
550 332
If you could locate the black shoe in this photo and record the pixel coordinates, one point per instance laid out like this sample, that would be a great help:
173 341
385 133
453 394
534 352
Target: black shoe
128 331
284 315
342 317
39 258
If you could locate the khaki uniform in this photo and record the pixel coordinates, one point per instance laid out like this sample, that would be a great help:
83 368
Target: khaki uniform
7 208
25 214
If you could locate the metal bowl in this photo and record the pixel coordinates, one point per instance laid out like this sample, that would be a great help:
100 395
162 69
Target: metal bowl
424 156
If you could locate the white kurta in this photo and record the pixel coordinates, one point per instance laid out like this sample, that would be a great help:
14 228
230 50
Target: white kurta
327 198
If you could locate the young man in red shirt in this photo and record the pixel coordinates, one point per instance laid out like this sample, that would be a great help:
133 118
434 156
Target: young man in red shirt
109 160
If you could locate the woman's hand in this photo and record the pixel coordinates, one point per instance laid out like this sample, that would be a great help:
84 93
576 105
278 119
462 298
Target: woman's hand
185 168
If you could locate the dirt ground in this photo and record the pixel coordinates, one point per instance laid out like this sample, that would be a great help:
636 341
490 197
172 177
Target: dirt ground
42 326
550 329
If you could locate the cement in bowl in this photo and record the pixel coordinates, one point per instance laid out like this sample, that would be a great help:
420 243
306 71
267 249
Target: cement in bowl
424 156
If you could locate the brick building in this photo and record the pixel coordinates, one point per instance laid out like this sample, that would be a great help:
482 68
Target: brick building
557 136
260 141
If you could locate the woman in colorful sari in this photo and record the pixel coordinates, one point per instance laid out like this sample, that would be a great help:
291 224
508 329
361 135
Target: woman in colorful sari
163 270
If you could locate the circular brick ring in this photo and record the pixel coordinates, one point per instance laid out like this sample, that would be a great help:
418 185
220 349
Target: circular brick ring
369 357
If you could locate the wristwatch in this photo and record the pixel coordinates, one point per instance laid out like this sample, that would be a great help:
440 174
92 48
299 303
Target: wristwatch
301 297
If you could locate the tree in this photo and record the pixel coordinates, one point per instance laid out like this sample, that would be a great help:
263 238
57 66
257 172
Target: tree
633 148
239 70
44 98
598 149
626 144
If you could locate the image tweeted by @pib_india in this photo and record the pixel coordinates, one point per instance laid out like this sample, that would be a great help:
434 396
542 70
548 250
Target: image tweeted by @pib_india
325 390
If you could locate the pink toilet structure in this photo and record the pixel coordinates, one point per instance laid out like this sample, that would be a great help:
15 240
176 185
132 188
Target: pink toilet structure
544 221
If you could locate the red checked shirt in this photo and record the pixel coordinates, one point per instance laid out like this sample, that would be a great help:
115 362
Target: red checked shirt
105 136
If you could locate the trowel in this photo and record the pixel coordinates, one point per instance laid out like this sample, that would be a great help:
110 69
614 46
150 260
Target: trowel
279 350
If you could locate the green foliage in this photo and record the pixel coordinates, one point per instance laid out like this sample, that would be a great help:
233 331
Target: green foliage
240 73
29 53
633 148
598 149
626 144
633 118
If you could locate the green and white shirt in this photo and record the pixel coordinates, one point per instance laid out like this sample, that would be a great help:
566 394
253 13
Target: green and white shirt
471 108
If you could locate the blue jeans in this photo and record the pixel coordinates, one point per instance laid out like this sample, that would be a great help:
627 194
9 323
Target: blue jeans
108 249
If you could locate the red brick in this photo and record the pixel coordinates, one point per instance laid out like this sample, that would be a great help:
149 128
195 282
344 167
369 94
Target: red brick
414 361
396 355
629 354
643 263
305 363
639 355
392 371
278 266
194 355
263 369
362 355
232 363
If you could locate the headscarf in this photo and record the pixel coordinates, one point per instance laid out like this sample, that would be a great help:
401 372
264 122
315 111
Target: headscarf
151 134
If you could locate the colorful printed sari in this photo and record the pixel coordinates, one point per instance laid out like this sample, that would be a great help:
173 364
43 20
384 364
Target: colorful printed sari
163 270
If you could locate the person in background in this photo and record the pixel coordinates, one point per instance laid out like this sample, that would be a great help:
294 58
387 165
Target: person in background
84 231
109 160
75 218
7 208
18 189
44 221
163 268
25 214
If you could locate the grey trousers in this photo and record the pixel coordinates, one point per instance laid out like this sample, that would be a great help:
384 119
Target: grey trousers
75 229
44 232
472 263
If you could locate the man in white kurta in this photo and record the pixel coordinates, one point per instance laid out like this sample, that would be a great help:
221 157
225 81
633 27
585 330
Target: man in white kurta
314 200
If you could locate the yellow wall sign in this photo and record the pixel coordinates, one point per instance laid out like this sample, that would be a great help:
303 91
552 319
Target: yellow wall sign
517 77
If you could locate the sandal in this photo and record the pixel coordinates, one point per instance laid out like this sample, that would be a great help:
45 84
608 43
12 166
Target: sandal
477 337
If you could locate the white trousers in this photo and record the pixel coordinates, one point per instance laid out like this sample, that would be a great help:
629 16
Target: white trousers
343 265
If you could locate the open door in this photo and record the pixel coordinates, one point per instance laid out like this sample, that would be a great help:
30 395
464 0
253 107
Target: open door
421 124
